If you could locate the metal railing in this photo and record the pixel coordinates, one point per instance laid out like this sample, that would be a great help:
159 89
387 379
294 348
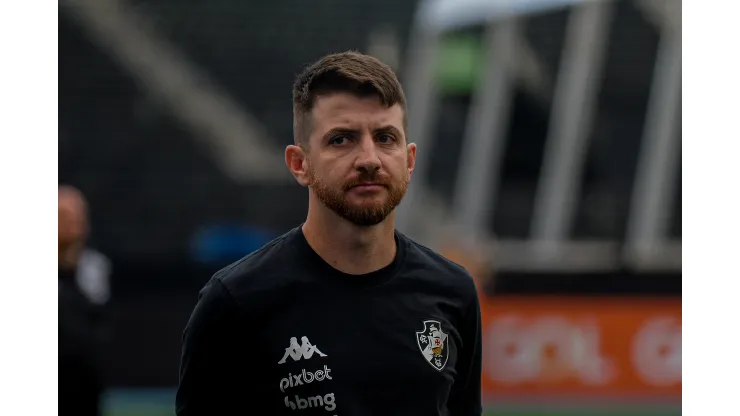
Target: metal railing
550 246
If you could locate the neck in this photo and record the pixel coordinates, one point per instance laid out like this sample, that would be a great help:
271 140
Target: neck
347 247
68 255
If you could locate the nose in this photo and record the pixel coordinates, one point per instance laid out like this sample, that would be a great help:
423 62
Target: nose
367 158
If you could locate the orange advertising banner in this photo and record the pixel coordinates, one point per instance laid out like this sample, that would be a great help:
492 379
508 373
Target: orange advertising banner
581 347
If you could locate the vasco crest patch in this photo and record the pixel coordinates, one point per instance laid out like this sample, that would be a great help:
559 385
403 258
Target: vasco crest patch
432 342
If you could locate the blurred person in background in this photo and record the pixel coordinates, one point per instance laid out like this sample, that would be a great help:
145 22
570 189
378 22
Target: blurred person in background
81 319
342 314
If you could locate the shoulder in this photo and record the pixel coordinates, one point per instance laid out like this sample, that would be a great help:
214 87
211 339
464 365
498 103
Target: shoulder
439 270
263 271
93 275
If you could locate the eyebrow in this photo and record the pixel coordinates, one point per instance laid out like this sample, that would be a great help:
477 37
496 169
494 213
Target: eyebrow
389 129
346 130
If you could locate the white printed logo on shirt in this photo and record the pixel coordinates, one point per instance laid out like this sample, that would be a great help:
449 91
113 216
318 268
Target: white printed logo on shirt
296 351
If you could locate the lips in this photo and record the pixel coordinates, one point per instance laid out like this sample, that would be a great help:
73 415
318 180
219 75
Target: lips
368 186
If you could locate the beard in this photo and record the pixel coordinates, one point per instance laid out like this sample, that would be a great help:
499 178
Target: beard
364 215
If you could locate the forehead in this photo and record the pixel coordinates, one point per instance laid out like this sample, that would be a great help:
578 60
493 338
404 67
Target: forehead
352 112
71 203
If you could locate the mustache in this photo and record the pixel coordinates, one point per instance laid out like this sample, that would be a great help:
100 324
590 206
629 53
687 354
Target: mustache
365 177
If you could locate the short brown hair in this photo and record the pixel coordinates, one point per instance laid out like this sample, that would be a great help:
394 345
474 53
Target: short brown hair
350 72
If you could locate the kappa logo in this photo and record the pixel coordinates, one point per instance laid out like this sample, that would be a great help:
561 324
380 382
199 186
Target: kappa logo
296 351
432 342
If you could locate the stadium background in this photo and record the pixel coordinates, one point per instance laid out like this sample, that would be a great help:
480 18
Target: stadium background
552 130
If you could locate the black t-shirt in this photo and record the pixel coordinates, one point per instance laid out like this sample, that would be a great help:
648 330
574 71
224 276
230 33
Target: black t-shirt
80 349
281 332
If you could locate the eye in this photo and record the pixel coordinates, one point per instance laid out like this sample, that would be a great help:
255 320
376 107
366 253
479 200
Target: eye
338 140
386 138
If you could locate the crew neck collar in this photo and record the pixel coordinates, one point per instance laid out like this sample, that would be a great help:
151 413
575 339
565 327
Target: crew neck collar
373 278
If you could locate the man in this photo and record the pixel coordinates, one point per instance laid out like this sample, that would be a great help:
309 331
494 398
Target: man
81 335
386 326
92 268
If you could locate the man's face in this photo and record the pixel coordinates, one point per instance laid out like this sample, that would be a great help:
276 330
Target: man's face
72 222
359 164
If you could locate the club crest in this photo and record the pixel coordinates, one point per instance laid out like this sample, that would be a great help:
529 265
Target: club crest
432 342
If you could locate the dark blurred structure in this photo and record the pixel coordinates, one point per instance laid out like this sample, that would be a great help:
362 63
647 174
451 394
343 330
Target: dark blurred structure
174 115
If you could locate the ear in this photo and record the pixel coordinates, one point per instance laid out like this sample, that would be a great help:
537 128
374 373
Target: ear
411 157
295 159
